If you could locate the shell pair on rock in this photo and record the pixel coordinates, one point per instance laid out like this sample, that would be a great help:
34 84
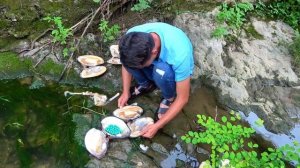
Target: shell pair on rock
96 142
138 125
90 64
127 113
115 127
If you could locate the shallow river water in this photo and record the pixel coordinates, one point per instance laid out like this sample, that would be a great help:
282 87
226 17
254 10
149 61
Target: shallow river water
37 129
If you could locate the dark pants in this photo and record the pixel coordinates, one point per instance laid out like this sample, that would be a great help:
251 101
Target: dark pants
161 74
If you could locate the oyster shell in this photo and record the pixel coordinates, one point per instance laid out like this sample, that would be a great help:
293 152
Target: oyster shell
137 125
111 121
96 142
127 113
90 60
92 71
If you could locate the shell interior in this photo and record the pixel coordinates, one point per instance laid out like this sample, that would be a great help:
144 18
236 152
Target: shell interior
114 51
137 125
127 113
114 121
90 60
92 71
114 60
96 142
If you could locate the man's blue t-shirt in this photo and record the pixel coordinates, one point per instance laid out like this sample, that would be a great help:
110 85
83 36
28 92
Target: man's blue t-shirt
176 48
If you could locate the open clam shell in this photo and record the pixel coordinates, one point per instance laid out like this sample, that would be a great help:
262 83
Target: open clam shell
121 130
127 113
114 51
114 60
136 126
90 60
92 71
96 142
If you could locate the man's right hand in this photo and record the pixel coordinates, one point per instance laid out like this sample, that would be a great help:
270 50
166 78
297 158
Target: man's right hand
122 101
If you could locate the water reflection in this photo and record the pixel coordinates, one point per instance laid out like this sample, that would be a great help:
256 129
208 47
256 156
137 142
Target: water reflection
277 139
178 154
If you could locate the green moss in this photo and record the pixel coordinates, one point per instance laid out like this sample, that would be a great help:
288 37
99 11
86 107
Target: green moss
251 32
12 67
50 68
6 43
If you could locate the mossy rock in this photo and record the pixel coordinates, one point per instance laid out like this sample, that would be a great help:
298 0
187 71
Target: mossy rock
12 67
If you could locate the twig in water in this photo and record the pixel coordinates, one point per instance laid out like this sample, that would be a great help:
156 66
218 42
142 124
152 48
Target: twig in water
90 110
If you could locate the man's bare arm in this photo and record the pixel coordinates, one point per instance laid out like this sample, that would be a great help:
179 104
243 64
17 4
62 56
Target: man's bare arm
183 92
126 81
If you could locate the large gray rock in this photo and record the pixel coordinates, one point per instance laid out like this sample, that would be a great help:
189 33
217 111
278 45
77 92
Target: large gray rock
239 71
121 154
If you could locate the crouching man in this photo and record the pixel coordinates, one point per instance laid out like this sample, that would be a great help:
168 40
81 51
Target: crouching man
157 55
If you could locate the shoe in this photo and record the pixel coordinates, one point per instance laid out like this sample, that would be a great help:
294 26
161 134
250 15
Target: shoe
139 90
163 110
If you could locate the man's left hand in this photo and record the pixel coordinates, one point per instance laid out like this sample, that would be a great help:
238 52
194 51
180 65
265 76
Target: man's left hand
150 131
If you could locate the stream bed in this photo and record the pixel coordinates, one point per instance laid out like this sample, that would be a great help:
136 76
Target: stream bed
37 129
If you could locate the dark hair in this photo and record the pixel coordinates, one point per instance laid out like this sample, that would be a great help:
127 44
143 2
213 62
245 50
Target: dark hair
135 49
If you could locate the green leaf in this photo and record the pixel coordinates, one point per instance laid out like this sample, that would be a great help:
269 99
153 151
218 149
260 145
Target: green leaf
97 1
224 119
232 118
194 141
226 147
183 138
226 155
259 122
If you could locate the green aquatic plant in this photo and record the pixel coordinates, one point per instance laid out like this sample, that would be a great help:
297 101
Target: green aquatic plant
231 142
141 5
108 33
82 127
4 99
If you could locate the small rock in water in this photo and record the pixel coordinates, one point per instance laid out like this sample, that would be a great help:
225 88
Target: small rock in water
159 148
144 148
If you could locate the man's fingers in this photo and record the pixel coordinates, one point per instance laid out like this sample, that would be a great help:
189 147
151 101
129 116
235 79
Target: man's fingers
144 130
